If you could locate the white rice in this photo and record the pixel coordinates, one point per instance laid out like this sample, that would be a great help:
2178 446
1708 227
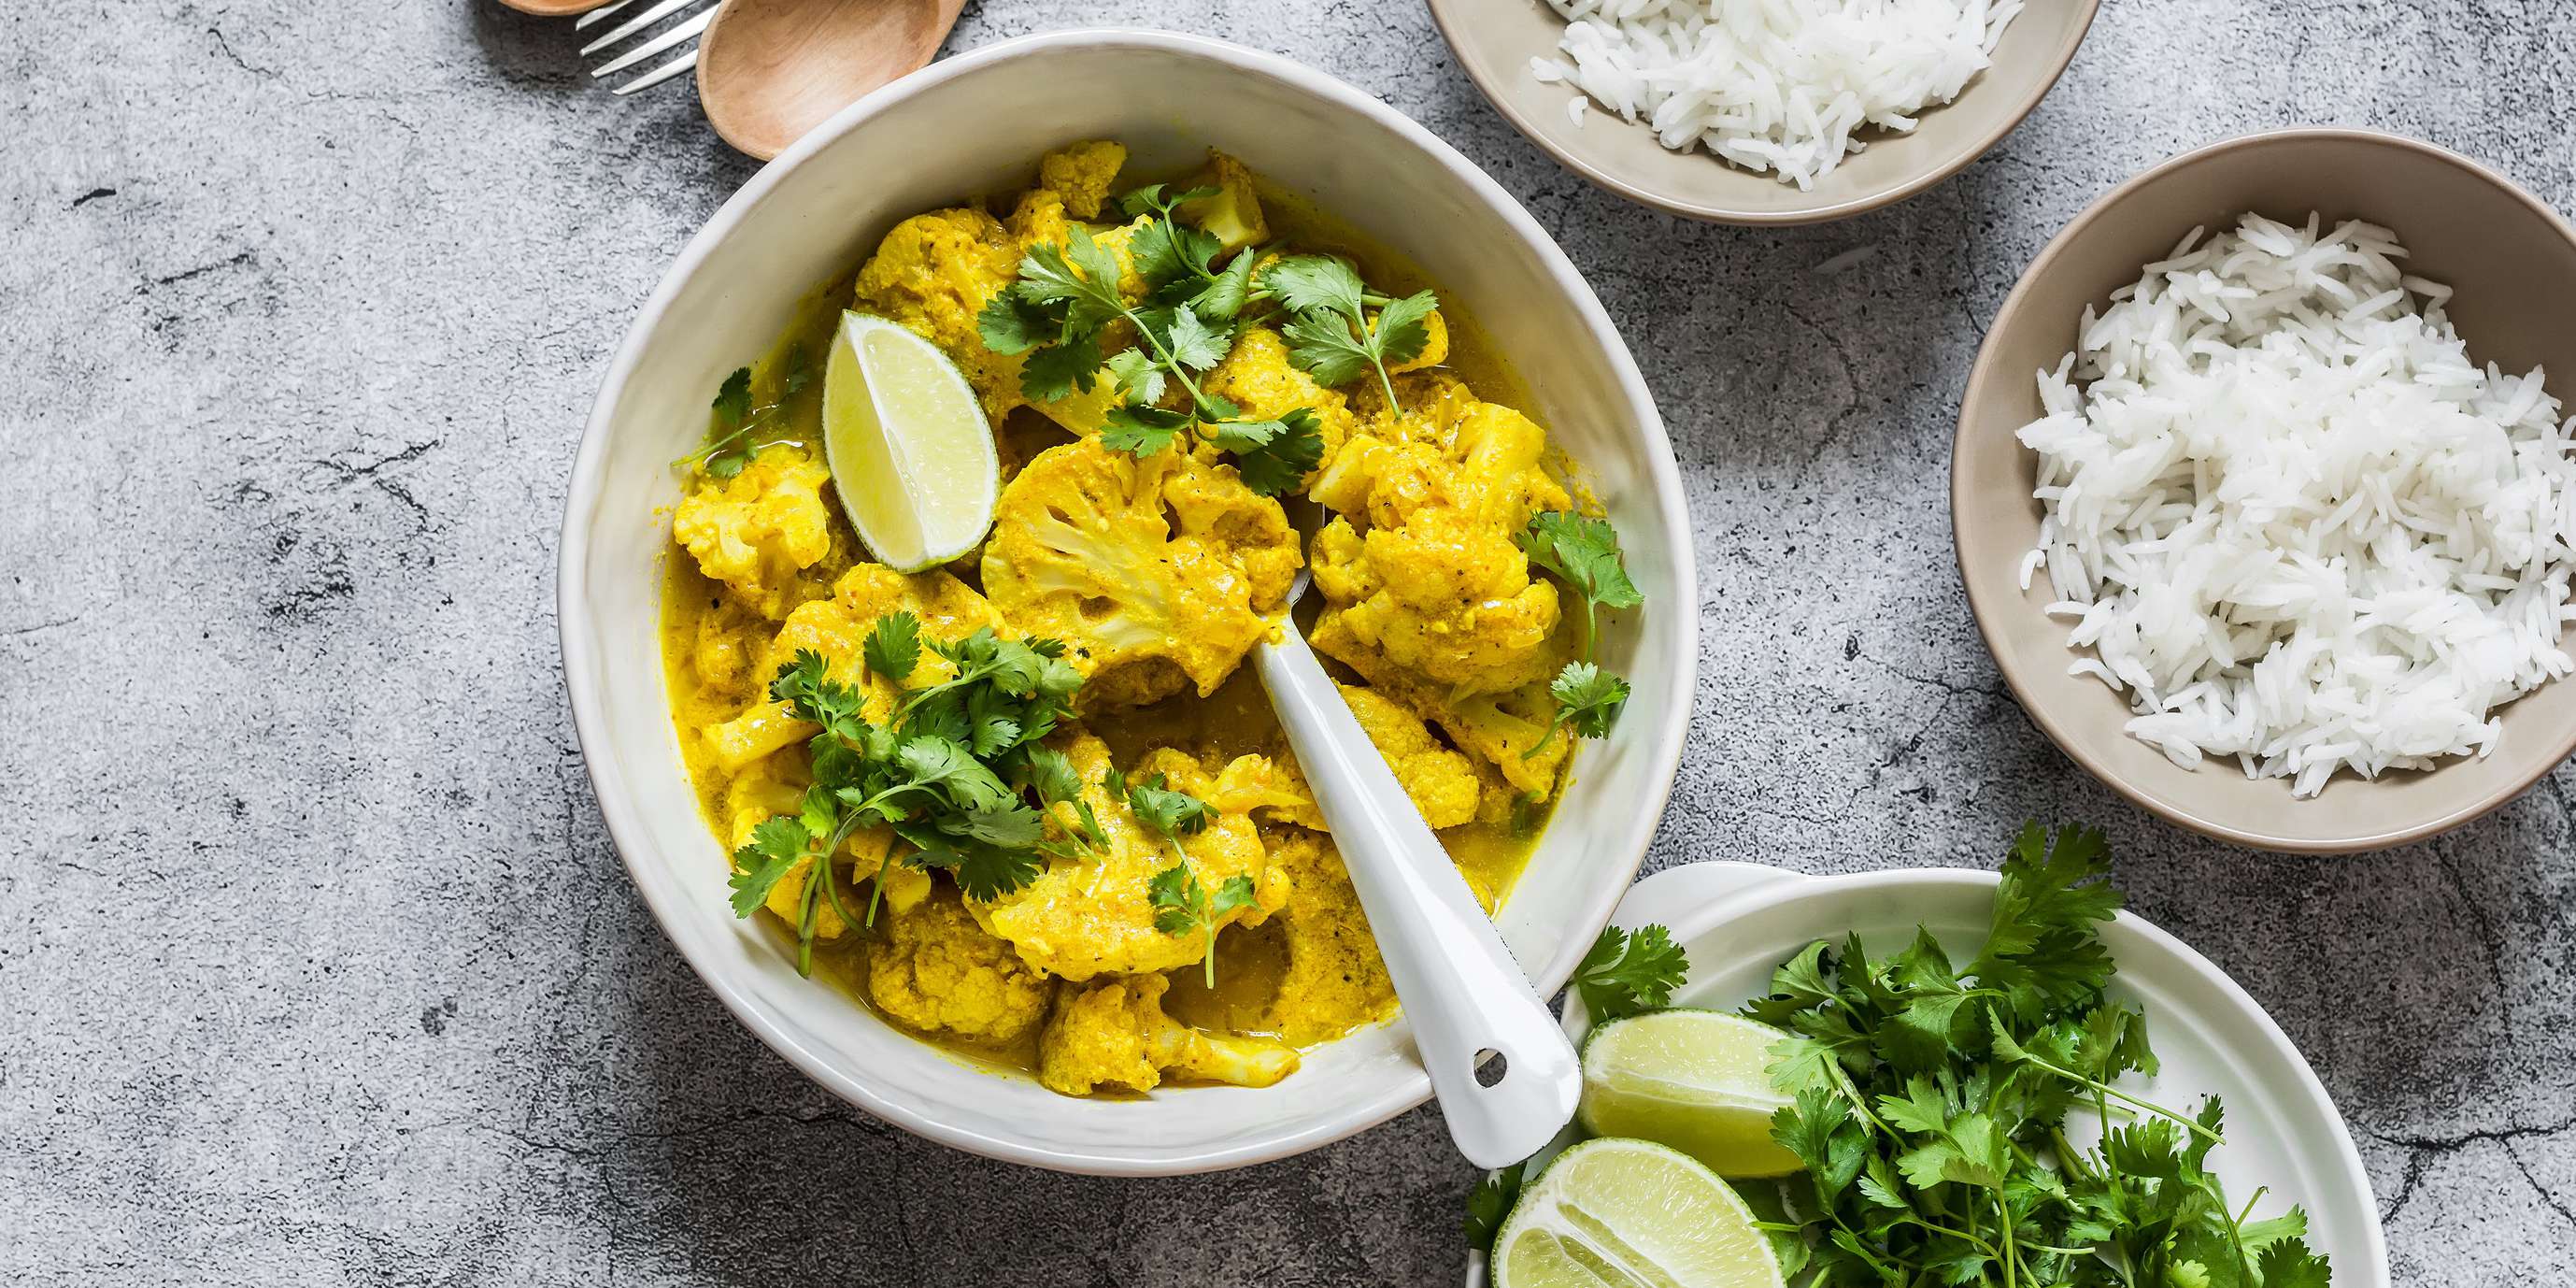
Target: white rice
2291 519
1777 86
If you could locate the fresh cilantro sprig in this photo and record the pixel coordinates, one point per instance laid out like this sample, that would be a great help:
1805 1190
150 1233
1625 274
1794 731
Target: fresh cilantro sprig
949 772
1050 774
1067 296
1182 905
1625 974
736 427
1583 553
1930 1109
1329 333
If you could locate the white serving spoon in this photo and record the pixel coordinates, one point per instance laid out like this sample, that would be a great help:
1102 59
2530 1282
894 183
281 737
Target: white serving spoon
1465 996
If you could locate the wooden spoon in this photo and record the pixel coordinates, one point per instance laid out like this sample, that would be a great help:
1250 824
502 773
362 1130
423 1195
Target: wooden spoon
554 8
769 70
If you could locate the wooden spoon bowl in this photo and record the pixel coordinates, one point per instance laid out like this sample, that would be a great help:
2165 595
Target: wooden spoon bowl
769 70
553 8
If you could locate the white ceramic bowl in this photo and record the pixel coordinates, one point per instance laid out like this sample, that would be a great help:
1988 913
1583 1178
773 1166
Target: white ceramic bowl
1739 921
976 124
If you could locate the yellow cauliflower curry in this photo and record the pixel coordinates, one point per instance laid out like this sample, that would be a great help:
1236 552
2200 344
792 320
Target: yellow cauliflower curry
1032 805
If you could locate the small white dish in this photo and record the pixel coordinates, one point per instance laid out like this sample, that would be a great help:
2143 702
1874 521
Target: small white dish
814 212
1739 921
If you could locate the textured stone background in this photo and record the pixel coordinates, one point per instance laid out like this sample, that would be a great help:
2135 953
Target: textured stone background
315 966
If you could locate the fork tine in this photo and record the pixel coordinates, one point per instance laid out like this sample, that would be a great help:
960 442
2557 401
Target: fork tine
637 23
599 14
660 74
675 35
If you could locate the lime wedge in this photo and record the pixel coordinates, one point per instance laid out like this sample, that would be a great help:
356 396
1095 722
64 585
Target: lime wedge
1616 1211
1689 1079
911 453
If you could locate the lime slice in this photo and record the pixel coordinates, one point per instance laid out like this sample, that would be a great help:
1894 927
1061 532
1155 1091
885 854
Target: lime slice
1689 1079
1616 1211
911 453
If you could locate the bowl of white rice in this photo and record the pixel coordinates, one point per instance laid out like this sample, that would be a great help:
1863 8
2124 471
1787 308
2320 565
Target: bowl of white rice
2265 497
1764 111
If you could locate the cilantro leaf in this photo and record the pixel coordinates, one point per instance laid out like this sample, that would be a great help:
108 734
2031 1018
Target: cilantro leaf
1320 344
989 872
1142 431
1010 324
1059 371
1399 333
1329 334
732 404
1488 1204
1223 298
1588 699
1164 812
1308 283
893 646
1273 456
1625 974
733 421
1139 381
2290 1264
1584 554
1190 342
1182 905
776 846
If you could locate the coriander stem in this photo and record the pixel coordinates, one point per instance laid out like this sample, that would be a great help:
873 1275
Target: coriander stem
1954 1232
1843 1083
832 888
805 926
2003 1218
2236 1231
1384 381
1198 397
2104 1089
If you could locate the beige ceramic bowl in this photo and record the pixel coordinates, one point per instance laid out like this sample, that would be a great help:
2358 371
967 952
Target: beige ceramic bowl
1496 39
2513 263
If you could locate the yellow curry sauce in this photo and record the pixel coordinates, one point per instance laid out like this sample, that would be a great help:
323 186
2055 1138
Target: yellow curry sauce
764 563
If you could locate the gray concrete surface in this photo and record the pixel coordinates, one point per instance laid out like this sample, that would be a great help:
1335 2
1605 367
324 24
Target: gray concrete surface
315 966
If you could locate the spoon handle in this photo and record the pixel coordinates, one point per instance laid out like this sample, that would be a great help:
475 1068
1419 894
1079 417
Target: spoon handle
1462 992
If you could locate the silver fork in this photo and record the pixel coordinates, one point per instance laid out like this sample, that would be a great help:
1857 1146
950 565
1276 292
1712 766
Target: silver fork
659 11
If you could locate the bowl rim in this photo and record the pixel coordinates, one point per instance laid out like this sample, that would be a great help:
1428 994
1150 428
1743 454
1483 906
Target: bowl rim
1451 15
1986 608
581 665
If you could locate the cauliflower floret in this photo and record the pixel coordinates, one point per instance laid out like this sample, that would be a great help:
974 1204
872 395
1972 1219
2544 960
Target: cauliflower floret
1082 174
1498 729
1334 981
1258 377
1082 551
1210 504
940 972
1091 914
835 628
1233 214
1441 782
722 652
1115 1034
1271 786
934 273
1425 566
755 531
